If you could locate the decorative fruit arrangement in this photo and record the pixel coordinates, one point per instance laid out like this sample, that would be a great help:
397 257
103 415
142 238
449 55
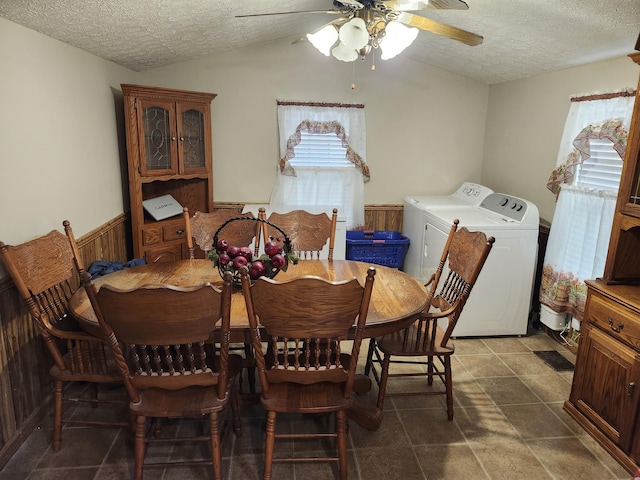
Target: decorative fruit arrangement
230 258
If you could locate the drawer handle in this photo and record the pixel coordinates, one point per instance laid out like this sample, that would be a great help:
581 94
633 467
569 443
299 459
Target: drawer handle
616 328
180 232
630 389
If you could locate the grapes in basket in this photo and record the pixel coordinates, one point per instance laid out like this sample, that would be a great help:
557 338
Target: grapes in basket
230 258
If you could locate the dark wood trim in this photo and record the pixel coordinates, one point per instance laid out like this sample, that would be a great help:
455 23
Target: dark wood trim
604 96
322 104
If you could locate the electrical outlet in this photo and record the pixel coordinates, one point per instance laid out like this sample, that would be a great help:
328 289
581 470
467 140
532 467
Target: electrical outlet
575 324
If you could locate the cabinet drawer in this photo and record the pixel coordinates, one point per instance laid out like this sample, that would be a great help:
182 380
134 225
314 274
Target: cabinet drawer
174 231
618 321
151 235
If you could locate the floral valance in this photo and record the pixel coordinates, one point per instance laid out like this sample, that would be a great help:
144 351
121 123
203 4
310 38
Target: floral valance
321 128
610 129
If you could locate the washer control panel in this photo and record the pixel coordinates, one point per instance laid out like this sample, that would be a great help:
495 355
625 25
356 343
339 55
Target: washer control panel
513 208
472 192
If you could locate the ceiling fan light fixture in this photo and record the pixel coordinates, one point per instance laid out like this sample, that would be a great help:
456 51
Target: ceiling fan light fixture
364 51
413 5
354 33
397 37
324 39
344 53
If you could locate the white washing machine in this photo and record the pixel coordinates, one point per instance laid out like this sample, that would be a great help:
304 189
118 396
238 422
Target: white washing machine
500 301
467 195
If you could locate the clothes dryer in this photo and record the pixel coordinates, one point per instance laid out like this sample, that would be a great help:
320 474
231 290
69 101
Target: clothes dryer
500 301
467 195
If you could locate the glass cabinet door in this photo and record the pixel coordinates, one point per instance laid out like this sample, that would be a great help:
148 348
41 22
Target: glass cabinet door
192 138
158 146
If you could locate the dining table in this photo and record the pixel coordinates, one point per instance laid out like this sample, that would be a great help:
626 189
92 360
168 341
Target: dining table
396 300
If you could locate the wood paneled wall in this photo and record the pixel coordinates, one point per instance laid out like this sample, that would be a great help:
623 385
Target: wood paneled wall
25 385
383 217
376 217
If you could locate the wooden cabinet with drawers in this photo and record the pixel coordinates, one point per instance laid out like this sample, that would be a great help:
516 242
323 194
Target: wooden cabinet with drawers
605 394
168 153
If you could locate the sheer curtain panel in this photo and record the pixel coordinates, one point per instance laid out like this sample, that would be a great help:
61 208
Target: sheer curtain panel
338 183
581 226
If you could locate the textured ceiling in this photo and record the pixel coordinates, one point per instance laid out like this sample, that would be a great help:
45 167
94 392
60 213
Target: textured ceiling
521 37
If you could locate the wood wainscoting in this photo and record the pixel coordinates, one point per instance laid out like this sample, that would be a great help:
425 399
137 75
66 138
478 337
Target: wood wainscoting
376 216
25 385
383 217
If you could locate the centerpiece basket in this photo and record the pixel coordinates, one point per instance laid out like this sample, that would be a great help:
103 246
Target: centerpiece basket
266 265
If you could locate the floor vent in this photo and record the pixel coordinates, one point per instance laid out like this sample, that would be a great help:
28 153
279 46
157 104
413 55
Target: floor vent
555 360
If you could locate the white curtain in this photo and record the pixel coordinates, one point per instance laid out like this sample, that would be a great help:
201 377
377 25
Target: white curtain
342 188
581 226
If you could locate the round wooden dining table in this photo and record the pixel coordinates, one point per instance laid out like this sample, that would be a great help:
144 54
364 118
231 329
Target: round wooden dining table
396 300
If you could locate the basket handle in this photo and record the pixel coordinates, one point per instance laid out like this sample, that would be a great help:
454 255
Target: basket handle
287 241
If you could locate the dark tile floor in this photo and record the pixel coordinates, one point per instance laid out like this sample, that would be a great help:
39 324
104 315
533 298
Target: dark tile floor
508 424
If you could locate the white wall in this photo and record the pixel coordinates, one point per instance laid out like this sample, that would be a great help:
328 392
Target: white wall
425 126
525 123
60 149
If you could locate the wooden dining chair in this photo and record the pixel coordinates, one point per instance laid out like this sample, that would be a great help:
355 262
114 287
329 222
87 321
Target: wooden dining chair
308 367
462 260
308 232
43 272
202 227
170 366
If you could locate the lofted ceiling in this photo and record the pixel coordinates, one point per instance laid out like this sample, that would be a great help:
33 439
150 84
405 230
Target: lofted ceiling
521 37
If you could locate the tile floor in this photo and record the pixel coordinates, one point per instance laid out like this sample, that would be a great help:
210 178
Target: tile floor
508 424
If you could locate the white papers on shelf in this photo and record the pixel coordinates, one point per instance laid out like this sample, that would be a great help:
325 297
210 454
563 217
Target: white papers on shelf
162 207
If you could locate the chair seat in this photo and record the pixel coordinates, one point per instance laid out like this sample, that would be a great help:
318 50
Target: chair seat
186 402
394 344
314 398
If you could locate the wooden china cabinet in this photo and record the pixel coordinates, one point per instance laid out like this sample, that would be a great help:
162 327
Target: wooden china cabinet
605 394
168 153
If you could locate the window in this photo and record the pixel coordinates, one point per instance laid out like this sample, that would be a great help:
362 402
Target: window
602 169
322 159
320 150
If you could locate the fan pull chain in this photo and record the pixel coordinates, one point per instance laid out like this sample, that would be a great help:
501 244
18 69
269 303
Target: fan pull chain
353 74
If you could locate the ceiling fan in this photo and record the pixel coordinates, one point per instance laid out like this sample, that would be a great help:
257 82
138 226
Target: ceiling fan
364 25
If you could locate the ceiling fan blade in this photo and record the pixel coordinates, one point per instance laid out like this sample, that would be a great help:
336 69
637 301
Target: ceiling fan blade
438 28
412 5
337 21
330 12
351 4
